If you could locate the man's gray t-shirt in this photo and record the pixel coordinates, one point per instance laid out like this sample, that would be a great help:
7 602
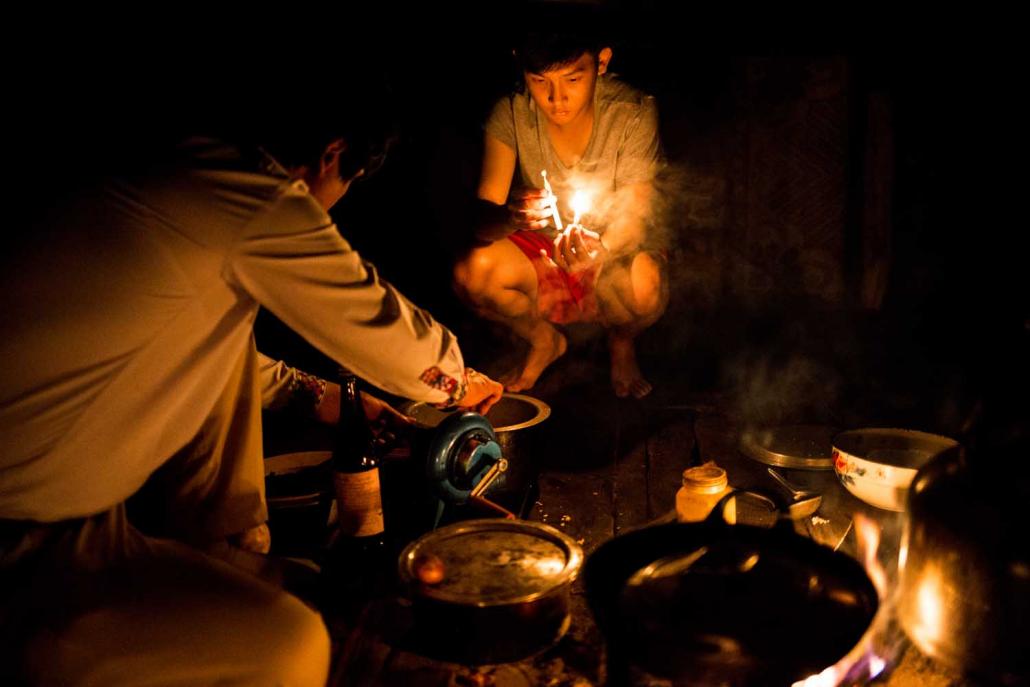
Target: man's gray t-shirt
623 148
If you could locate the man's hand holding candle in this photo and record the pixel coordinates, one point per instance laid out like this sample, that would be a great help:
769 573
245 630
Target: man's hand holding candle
531 209
577 248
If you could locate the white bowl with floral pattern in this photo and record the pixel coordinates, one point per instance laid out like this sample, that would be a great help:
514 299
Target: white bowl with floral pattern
877 465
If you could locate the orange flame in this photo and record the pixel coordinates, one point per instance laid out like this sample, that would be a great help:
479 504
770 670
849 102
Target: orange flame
868 533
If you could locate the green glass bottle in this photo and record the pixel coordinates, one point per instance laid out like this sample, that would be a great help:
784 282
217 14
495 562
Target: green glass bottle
356 469
358 549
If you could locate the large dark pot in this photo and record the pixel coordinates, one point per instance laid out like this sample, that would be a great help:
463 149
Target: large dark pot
965 567
715 604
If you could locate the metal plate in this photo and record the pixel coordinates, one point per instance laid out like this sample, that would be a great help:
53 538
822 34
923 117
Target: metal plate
805 447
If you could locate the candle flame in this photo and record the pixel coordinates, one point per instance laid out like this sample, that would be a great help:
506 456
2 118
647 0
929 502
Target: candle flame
580 204
876 666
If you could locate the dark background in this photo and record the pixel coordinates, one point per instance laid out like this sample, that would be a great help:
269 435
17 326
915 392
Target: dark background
841 229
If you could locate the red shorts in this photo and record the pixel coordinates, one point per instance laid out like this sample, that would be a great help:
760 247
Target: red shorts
561 297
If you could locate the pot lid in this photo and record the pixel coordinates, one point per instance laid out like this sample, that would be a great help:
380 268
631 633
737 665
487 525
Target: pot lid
492 562
791 446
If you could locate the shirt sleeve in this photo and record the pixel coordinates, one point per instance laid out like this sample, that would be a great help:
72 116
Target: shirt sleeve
640 152
283 386
291 259
501 122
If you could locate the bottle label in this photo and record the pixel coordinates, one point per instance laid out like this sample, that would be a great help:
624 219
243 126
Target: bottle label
359 503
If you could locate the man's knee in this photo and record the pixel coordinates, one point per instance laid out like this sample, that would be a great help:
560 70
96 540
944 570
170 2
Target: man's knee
472 273
298 653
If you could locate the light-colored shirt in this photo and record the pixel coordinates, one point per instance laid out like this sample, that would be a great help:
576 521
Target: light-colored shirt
624 146
124 315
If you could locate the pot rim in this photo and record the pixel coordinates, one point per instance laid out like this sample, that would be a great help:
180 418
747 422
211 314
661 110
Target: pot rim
294 461
543 411
883 483
919 440
561 581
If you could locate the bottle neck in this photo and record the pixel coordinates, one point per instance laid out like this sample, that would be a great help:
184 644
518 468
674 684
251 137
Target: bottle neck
354 447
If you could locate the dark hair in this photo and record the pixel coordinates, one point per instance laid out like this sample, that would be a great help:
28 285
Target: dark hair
554 36
357 111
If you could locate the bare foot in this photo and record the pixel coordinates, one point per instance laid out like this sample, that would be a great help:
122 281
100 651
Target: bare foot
626 377
543 351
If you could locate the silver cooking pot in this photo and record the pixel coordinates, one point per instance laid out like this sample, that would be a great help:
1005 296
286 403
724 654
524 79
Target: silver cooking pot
516 419
517 427
502 591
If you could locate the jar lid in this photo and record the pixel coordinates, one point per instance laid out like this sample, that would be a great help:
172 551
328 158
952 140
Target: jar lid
707 476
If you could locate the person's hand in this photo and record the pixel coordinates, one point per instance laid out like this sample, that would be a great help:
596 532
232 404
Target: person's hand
481 393
380 415
578 248
384 417
531 209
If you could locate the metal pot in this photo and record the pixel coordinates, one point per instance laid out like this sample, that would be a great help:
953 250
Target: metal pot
298 491
516 419
517 427
502 592
964 580
716 604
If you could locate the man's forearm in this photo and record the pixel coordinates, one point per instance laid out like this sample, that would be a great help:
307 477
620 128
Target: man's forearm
492 221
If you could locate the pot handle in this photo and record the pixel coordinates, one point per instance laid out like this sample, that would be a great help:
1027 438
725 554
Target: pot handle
717 516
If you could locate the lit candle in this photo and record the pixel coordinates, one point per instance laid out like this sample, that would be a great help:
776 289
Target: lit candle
554 201
580 204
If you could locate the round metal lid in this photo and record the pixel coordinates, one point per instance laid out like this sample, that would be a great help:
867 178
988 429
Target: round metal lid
791 446
492 562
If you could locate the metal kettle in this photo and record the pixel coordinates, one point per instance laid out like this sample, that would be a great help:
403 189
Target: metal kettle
964 569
